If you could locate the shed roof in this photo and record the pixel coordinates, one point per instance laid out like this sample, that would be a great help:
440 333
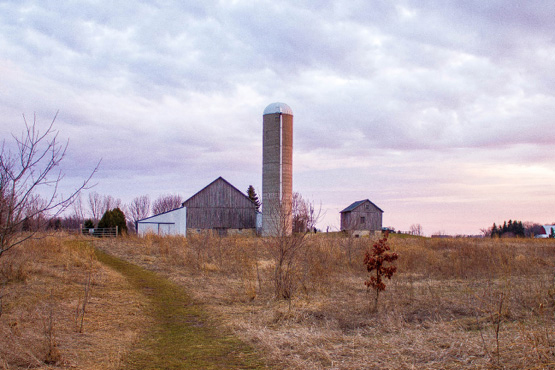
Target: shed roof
159 214
357 204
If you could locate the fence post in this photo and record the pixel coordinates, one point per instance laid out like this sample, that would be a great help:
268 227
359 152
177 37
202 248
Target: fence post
116 231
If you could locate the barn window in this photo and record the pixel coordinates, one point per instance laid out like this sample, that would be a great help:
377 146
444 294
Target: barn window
362 219
367 206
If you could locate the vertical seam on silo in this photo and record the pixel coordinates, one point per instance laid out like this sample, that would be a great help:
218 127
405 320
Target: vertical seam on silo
280 159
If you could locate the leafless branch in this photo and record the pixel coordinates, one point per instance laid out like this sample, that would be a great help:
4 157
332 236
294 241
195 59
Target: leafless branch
30 177
139 208
166 203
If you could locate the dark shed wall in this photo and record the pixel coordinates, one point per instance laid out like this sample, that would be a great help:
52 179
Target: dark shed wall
220 205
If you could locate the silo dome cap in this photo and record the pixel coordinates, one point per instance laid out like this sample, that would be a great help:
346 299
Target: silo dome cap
278 108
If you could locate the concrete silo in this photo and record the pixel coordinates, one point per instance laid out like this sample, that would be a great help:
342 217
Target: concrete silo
277 170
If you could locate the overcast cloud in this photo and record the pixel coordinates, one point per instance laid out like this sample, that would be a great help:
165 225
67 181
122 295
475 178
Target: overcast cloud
440 112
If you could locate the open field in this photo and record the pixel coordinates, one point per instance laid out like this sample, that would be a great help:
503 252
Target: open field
43 287
182 335
454 303
67 305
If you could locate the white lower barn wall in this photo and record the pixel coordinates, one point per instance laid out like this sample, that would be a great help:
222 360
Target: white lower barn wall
168 223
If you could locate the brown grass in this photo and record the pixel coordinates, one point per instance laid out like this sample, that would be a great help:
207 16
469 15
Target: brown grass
454 303
43 283
458 303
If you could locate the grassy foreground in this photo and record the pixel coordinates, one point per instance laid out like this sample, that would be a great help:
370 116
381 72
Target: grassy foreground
182 337
453 304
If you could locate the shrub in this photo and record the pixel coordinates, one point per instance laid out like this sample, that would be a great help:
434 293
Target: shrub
375 260
113 218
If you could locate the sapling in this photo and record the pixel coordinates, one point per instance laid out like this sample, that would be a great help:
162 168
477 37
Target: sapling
375 260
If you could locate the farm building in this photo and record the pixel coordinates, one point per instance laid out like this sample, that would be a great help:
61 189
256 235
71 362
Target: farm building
362 217
173 222
277 169
548 231
221 207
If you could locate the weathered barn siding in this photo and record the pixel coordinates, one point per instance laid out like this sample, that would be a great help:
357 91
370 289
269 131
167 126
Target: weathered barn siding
362 215
220 206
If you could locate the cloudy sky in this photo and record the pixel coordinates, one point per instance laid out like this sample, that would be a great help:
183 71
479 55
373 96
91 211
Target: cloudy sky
440 112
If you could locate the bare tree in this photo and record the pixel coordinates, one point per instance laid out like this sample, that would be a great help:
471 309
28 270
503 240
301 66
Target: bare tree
304 214
286 248
32 168
34 220
416 229
532 228
99 204
78 210
139 208
96 206
109 203
165 203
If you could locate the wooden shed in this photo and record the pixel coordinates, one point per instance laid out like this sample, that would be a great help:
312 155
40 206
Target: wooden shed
362 217
220 207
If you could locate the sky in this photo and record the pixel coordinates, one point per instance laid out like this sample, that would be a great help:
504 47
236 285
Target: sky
439 112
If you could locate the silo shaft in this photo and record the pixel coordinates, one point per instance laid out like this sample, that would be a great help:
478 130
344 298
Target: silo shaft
277 170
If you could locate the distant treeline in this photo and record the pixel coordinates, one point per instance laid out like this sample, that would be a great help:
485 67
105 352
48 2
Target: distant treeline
509 228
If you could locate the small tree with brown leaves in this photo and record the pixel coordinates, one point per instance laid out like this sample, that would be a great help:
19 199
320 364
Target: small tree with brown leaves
375 261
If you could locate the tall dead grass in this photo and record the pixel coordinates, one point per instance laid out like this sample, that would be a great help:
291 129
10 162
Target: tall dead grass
455 303
60 307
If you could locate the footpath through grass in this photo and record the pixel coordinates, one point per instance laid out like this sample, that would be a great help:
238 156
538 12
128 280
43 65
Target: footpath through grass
182 337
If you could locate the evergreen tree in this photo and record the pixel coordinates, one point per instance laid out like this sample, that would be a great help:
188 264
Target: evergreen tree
494 231
519 228
113 218
514 227
253 197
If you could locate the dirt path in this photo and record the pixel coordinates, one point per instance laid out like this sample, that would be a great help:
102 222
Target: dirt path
182 337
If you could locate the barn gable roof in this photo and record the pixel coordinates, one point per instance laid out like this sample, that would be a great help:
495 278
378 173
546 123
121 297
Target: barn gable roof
356 204
226 184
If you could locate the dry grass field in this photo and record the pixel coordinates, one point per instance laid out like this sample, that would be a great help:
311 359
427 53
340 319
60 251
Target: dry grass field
43 285
453 304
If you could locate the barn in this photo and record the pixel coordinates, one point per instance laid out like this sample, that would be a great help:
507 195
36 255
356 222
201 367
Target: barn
548 232
221 207
173 222
362 217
